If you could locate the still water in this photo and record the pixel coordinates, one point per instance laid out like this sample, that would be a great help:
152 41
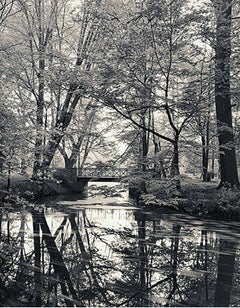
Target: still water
107 252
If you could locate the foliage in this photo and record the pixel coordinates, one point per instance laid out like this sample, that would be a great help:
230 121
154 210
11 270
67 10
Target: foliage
151 200
106 191
229 200
64 65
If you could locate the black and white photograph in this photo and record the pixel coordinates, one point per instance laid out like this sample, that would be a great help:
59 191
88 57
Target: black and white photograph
119 153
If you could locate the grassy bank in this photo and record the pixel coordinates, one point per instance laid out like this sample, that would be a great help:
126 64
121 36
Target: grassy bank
23 186
62 182
195 198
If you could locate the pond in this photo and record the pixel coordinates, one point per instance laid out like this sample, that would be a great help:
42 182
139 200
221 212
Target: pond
108 252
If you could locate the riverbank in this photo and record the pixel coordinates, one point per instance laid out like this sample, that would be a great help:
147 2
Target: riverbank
195 198
24 187
62 182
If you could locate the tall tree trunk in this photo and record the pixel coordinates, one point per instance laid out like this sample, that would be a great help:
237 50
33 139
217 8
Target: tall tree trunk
159 168
40 99
175 172
228 165
67 163
205 143
61 125
88 35
213 164
144 150
175 160
75 151
205 156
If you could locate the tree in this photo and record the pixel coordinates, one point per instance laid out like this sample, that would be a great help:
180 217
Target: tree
145 68
6 10
81 129
13 135
228 165
200 134
52 64
86 135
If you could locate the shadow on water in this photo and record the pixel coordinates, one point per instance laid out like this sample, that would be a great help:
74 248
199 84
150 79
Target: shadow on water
83 255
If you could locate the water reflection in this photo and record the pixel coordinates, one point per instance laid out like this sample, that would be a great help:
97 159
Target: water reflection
225 271
116 256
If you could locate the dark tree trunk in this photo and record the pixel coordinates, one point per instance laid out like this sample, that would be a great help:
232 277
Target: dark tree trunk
158 166
144 150
60 127
71 161
228 165
205 147
74 155
73 96
9 177
1 164
213 164
205 156
144 145
1 217
174 172
40 99
67 163
175 161
39 139
75 152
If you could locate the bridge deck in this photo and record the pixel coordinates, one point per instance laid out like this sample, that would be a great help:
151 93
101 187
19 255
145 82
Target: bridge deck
103 175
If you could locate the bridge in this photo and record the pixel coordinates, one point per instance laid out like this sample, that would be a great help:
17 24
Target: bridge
102 174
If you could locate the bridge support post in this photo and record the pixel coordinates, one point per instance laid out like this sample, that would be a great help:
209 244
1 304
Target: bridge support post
68 178
83 183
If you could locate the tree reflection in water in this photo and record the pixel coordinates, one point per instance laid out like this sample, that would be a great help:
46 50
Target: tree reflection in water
103 257
226 261
37 260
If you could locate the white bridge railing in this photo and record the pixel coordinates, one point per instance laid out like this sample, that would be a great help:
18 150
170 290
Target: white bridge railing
103 173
